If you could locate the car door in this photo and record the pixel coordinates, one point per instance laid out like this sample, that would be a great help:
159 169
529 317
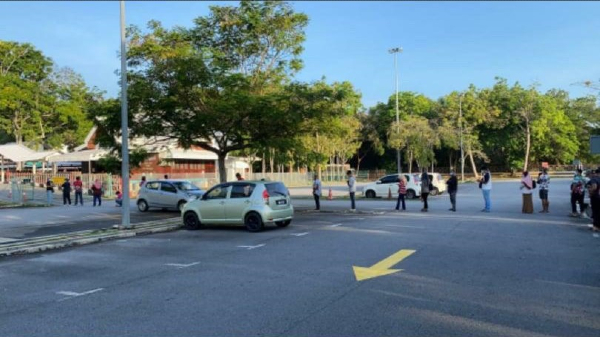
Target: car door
151 193
168 195
212 205
388 183
238 202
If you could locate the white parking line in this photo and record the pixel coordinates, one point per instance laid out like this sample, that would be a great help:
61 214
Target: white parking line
252 247
4 240
180 265
73 294
336 225
300 234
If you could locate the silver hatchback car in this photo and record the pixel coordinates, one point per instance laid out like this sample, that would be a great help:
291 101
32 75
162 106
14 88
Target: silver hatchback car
249 203
167 194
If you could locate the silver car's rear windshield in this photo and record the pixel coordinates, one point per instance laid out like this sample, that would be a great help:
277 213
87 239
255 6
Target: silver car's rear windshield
277 189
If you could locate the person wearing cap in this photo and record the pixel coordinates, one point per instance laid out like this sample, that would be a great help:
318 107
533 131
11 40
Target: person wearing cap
452 189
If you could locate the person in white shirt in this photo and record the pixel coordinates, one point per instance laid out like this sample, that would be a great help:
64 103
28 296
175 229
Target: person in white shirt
352 189
485 183
317 191
543 183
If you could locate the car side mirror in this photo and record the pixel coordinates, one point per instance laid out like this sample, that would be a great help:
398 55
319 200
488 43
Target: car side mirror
378 182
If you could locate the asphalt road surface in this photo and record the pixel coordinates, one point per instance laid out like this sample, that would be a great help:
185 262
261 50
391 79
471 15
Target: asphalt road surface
462 274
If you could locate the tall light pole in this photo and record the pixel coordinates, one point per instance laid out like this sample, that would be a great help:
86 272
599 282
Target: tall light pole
462 154
395 51
124 127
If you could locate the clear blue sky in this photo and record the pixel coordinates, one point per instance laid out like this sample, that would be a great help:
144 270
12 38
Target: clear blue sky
447 45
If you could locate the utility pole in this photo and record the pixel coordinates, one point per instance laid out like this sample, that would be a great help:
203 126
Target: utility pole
125 221
395 51
462 154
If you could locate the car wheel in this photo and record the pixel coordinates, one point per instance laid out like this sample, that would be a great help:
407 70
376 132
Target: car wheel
191 221
370 194
142 205
180 205
283 223
410 194
434 192
253 222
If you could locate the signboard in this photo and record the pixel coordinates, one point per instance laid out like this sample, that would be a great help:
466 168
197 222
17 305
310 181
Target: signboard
595 144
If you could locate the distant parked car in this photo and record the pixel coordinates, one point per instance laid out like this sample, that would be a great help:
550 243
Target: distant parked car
383 186
167 194
249 203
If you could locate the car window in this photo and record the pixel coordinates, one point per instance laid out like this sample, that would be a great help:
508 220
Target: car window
217 192
277 189
185 186
242 191
152 185
167 187
407 177
390 179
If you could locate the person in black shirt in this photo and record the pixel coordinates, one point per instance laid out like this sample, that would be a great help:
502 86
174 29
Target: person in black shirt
66 189
452 188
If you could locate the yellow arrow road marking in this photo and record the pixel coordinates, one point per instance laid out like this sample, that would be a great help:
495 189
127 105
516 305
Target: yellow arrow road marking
382 267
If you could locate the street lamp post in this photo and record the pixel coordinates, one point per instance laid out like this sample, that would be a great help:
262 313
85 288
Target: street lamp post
395 51
125 221
462 154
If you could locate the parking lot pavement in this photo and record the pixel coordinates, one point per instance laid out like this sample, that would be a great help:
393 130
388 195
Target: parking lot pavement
19 223
438 273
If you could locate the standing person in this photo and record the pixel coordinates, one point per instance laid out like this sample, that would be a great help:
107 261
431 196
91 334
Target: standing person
594 192
577 193
317 191
49 192
485 183
119 199
352 189
452 189
78 186
425 188
239 177
66 189
97 192
543 182
401 193
143 182
527 189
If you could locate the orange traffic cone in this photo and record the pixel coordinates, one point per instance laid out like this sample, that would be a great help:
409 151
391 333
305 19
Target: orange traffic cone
389 192
330 197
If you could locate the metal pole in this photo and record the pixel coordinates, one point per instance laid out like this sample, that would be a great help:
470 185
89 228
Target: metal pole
462 155
395 51
124 126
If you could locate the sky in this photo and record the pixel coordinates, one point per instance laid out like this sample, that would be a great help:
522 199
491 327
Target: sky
446 45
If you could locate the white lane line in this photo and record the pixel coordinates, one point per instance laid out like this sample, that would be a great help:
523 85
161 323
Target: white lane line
336 225
420 227
4 240
252 247
12 217
300 234
73 294
180 265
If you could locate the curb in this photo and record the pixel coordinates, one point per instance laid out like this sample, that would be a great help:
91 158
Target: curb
43 243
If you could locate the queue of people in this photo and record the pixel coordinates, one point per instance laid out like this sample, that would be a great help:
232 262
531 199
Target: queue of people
77 186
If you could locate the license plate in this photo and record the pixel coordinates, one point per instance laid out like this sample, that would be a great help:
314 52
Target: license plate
281 202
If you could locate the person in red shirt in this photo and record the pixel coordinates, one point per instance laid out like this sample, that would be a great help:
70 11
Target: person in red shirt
239 176
78 185
401 193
